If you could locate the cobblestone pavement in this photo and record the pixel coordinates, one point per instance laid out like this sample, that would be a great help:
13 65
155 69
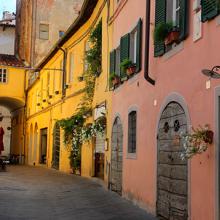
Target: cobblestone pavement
39 193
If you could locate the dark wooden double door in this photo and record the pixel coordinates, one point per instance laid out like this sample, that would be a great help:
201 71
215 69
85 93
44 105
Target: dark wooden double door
172 187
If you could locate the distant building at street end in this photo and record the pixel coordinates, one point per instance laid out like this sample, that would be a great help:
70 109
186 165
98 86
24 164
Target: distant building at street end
7 33
40 24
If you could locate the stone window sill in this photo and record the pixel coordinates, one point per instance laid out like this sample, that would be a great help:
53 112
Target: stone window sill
132 156
175 50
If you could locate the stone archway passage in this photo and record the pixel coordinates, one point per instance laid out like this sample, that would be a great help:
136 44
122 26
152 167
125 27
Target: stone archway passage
56 147
117 156
171 170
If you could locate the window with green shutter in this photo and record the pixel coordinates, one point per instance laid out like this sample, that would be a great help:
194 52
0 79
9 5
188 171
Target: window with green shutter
124 48
171 11
135 45
210 9
160 17
139 46
112 62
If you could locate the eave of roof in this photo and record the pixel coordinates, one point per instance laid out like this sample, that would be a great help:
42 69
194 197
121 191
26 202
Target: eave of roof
85 13
7 25
10 60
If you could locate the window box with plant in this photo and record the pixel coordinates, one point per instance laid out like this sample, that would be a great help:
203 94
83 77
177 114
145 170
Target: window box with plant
125 60
114 79
171 24
167 33
128 67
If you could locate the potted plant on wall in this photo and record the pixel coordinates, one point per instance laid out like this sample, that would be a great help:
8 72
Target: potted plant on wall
114 79
196 142
128 66
167 33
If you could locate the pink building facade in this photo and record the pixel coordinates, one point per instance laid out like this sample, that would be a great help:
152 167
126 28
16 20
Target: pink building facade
167 96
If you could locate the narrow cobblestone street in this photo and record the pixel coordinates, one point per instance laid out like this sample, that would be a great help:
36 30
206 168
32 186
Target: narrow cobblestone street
39 193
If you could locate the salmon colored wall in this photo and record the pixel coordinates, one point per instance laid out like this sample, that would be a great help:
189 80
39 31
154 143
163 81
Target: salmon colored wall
181 74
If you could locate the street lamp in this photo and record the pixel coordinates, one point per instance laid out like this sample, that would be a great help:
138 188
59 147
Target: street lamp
213 73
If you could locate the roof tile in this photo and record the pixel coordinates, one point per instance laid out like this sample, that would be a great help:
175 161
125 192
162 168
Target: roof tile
10 60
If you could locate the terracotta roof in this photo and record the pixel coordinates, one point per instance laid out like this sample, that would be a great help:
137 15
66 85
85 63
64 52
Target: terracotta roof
7 25
10 60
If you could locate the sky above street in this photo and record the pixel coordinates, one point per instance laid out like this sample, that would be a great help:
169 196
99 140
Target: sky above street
7 5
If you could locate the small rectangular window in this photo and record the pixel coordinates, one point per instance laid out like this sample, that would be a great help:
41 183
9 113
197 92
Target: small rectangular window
133 46
71 66
87 47
132 131
48 83
61 74
173 12
3 76
61 33
44 31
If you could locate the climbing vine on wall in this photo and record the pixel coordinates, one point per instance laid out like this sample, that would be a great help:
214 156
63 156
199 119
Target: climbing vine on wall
76 131
93 58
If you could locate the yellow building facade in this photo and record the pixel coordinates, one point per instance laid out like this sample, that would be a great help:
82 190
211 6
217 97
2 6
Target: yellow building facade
56 91
12 96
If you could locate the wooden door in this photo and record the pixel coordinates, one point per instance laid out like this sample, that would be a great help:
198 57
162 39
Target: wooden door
56 147
116 156
171 169
99 155
43 148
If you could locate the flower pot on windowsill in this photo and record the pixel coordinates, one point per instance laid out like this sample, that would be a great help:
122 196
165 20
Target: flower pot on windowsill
208 138
172 37
124 78
80 78
115 81
131 70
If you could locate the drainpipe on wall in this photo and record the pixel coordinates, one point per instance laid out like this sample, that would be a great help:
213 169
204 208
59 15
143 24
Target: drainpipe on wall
33 33
64 70
147 44
24 118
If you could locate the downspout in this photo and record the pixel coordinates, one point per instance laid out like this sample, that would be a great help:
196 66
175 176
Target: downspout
33 33
24 116
64 71
147 44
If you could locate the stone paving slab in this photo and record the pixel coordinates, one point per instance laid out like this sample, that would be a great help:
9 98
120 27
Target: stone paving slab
35 193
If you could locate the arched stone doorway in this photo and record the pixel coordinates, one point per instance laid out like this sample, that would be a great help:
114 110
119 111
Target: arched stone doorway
13 125
117 156
172 172
35 143
56 147
30 145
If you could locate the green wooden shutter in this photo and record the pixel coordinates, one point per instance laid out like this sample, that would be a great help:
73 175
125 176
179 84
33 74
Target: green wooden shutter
160 17
139 46
124 48
112 62
210 9
183 19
